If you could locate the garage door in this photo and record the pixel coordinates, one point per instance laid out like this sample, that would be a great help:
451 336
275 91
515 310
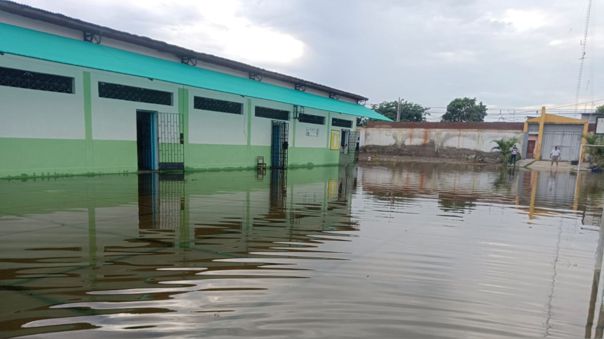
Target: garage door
566 137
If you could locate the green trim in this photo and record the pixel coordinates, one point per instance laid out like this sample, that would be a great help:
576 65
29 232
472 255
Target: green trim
44 46
249 121
328 126
183 110
23 157
294 132
88 117
204 156
310 156
56 157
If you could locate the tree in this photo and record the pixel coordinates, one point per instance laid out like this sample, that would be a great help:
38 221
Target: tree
600 109
596 154
504 146
464 110
409 111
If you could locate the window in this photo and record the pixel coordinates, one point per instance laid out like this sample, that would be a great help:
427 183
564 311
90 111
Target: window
341 123
311 119
138 94
271 113
33 80
218 105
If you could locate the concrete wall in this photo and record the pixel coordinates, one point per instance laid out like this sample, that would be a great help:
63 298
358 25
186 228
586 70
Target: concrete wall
434 139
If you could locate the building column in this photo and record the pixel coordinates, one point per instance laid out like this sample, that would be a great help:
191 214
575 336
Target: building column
183 110
87 93
248 107
537 151
583 141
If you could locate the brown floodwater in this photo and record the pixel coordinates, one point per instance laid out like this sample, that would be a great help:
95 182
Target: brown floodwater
408 251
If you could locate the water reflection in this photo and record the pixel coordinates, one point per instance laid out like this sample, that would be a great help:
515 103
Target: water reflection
409 251
91 247
459 188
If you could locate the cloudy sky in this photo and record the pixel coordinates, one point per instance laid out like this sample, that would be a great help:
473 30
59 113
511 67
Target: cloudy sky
510 54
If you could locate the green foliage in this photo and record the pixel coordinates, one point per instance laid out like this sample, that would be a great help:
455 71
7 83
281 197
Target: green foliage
464 110
409 111
596 154
600 109
504 147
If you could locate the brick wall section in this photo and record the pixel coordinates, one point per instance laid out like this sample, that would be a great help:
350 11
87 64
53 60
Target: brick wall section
509 126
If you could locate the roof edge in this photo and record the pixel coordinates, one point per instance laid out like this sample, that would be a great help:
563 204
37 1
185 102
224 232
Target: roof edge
77 24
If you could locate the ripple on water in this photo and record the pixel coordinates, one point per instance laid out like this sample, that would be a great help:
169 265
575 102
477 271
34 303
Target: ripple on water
409 251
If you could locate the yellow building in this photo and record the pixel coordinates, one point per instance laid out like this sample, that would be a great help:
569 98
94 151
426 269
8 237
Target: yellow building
546 131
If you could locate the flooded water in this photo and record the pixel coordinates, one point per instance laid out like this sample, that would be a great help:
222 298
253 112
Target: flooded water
413 251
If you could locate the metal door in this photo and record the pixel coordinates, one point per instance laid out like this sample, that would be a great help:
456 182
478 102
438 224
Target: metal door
566 137
171 141
279 144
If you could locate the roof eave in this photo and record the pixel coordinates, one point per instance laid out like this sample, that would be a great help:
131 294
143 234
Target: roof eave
69 22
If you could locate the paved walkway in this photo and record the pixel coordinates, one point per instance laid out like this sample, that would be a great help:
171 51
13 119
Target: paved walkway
545 165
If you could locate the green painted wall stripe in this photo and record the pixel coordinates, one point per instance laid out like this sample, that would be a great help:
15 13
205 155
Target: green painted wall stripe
328 125
249 121
294 132
183 110
88 118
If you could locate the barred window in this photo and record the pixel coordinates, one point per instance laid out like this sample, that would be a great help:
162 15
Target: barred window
341 123
20 78
216 105
138 94
271 113
311 119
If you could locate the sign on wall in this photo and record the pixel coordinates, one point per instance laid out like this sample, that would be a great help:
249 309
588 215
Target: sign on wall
312 132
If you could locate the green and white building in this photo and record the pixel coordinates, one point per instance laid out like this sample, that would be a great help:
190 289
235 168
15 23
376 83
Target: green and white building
79 98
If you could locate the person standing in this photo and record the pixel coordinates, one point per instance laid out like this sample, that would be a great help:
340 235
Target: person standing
555 155
514 156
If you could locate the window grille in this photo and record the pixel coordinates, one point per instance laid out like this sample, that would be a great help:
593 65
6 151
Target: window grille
341 123
138 94
216 105
20 78
311 119
271 113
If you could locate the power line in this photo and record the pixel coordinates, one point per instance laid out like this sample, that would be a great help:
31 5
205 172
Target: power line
583 52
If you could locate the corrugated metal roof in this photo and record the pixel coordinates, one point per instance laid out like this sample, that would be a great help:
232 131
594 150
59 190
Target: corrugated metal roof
40 45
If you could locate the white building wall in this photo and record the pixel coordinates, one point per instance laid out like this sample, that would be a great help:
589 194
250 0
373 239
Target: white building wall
209 127
261 127
312 135
114 119
29 113
472 139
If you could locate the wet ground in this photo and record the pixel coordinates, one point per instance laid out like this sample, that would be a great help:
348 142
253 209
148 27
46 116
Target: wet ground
384 252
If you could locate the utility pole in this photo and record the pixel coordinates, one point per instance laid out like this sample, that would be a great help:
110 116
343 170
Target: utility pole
398 110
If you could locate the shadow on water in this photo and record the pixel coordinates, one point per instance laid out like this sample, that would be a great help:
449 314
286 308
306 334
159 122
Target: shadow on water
418 251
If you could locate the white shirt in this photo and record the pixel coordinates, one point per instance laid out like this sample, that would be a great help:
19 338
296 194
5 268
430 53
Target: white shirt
555 152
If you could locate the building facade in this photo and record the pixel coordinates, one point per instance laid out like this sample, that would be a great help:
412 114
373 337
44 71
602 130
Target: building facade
81 98
547 131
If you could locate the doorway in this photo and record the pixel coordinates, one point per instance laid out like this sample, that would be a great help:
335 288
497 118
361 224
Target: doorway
279 144
146 141
530 149
345 135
